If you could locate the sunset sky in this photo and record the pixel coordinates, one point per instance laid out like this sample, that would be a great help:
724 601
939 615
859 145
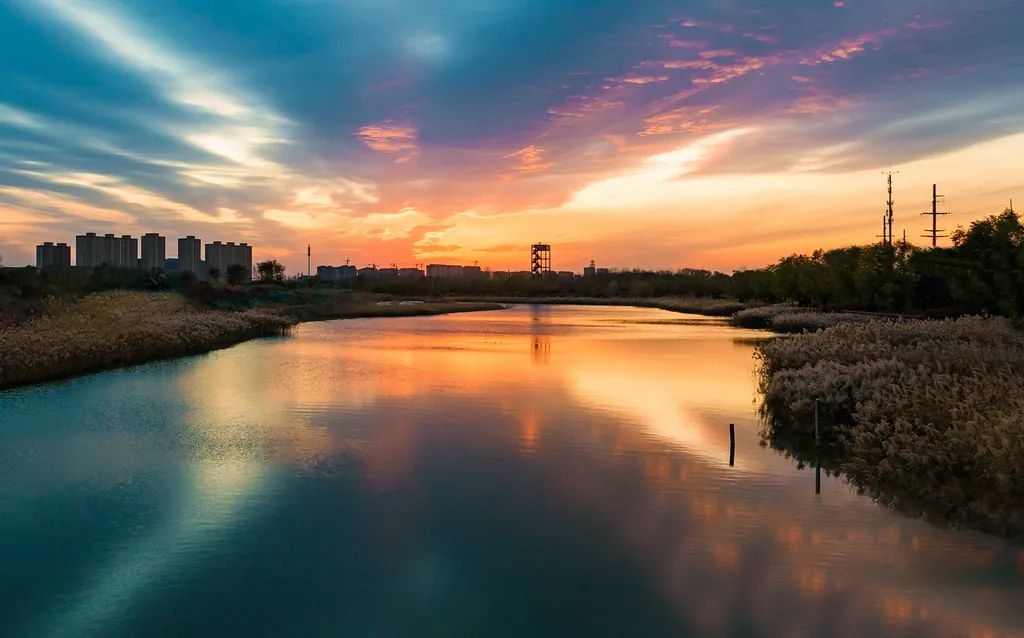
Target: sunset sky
639 133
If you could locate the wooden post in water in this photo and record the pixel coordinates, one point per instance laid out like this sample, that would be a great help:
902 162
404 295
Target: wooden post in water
817 473
732 444
817 432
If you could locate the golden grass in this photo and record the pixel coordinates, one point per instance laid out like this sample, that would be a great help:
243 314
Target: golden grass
929 415
117 328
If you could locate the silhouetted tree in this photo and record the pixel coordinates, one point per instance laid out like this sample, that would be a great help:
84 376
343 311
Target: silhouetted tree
270 271
236 274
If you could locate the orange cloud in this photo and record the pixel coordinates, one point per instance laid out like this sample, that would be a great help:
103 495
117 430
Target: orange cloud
531 159
390 137
644 79
847 48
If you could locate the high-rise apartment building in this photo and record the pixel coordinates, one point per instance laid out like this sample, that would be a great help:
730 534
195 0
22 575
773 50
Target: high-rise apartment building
117 252
189 258
221 256
50 255
154 252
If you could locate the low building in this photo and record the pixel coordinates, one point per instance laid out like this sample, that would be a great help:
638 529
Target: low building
50 255
336 273
410 273
447 271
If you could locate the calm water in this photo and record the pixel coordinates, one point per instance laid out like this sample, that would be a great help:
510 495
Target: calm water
547 471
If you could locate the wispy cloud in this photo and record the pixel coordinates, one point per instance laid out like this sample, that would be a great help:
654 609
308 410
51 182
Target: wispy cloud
390 137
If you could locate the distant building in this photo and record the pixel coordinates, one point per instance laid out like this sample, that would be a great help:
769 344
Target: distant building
336 273
222 256
410 273
171 265
117 252
566 274
446 271
154 252
189 257
370 272
590 271
50 255
387 273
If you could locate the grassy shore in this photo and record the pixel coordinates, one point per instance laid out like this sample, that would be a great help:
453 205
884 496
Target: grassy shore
793 319
690 305
926 416
118 328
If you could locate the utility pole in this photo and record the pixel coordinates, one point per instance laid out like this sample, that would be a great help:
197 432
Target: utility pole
309 258
934 232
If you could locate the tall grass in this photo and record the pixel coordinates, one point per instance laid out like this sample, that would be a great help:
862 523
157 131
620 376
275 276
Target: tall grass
117 328
929 415
792 318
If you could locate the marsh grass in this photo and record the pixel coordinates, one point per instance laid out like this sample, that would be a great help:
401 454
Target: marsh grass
117 328
707 306
929 415
793 319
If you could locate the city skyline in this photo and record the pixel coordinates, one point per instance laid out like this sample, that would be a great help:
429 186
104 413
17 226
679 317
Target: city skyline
700 135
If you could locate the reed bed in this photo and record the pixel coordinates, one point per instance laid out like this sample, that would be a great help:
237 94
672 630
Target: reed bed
928 415
117 328
793 319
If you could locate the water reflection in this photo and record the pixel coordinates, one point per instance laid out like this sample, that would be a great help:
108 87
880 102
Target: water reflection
425 477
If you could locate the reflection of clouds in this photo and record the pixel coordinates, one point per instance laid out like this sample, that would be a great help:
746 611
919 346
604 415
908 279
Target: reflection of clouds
212 496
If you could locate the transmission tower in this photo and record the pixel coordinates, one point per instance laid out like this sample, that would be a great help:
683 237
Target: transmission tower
540 259
934 232
887 236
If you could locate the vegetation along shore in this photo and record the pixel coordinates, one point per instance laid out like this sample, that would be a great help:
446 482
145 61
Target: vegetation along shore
924 415
61 337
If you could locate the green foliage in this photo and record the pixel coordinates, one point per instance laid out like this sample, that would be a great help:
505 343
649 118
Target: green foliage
982 273
270 271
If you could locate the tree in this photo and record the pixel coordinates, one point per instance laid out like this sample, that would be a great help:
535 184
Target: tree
214 274
270 271
236 274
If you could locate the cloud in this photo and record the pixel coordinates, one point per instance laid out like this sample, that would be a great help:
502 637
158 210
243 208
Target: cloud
530 159
390 137
59 205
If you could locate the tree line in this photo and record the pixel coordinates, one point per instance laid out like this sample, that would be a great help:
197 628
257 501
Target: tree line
982 272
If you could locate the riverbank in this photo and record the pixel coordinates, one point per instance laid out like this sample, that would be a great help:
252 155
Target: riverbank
689 305
925 416
118 328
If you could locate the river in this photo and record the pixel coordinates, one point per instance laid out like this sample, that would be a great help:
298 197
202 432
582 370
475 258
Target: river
535 471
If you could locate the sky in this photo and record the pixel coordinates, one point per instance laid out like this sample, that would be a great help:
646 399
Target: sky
651 133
